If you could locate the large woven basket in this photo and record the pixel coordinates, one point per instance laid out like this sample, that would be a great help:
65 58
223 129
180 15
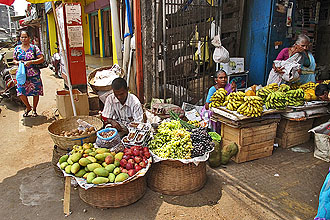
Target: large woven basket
100 88
115 196
172 177
68 124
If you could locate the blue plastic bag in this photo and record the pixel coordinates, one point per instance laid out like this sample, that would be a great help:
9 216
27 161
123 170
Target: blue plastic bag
20 75
323 211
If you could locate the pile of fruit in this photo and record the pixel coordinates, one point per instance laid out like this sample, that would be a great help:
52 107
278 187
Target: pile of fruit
295 97
252 107
284 88
107 134
234 100
326 81
295 85
99 165
263 93
218 98
171 141
307 86
76 132
194 123
201 142
276 100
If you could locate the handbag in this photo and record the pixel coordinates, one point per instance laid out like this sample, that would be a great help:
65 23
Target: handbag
40 65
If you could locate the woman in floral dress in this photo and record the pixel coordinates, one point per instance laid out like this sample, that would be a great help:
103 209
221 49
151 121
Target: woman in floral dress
29 54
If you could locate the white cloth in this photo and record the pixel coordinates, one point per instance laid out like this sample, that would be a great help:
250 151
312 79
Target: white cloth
130 111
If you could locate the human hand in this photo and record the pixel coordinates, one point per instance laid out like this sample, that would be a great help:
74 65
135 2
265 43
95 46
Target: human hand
279 70
233 86
116 125
28 63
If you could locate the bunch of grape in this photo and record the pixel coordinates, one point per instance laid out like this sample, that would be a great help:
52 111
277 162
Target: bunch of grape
201 141
171 141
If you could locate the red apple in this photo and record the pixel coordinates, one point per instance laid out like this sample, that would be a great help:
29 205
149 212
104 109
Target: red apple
129 166
137 167
129 152
131 172
126 157
123 162
138 159
136 152
124 171
142 164
145 149
131 161
147 154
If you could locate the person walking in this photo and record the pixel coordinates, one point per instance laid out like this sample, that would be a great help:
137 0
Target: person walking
30 55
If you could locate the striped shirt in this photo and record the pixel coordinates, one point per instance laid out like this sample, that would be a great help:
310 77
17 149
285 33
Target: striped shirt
130 111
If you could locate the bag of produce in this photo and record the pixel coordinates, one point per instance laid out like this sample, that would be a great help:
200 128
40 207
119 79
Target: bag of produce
215 155
109 138
228 151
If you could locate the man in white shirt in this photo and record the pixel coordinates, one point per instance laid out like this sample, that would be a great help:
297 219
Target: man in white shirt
121 107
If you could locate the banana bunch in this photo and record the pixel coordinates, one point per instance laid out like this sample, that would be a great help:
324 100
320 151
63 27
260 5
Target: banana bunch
295 97
218 98
307 86
310 95
276 100
263 93
272 86
295 85
234 100
252 106
326 81
284 88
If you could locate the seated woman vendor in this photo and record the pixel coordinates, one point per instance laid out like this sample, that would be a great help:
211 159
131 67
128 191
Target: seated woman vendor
221 82
322 92
121 107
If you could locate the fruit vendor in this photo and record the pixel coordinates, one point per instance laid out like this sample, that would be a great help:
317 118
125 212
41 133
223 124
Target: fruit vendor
221 80
322 92
121 107
307 61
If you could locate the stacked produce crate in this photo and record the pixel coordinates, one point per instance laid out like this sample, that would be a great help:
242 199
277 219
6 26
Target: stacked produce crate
253 142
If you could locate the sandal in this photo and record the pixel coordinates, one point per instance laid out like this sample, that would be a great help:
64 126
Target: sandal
34 114
26 113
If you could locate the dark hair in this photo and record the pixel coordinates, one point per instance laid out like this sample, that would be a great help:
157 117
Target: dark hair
119 83
27 33
321 89
218 72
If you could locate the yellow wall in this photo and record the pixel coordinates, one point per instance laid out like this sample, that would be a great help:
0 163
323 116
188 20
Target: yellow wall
85 24
114 52
52 32
100 32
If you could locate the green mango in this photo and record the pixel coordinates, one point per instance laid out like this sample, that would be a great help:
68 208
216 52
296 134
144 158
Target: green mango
64 158
69 160
90 177
84 162
121 177
117 162
104 164
68 169
92 154
75 168
93 166
80 173
101 172
119 156
100 157
76 156
100 180
102 150
116 171
92 159
110 167
85 175
63 165
112 177
87 151
87 170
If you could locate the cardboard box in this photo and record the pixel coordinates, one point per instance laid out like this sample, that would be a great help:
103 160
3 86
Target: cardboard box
235 65
64 106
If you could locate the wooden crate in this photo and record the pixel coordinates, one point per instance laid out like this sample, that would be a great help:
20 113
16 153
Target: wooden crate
291 133
253 142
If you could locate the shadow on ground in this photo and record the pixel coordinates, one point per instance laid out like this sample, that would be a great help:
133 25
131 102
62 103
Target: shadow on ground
35 121
37 192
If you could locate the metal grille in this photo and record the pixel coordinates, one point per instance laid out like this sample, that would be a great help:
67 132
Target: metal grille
184 52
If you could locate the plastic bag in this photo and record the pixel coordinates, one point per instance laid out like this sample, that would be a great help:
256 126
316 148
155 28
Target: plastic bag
113 143
220 55
20 75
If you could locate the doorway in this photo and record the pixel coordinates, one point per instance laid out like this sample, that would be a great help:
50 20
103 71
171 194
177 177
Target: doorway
107 33
95 33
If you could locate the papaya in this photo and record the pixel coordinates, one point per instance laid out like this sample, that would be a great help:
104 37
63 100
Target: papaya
100 180
101 171
64 158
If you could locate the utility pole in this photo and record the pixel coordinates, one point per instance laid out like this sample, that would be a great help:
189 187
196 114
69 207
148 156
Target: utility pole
9 20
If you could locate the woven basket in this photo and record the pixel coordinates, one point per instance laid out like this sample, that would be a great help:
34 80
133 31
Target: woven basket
115 196
100 88
172 177
57 154
71 123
